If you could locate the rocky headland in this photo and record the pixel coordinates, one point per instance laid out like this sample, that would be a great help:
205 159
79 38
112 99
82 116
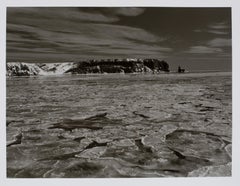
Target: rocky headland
91 66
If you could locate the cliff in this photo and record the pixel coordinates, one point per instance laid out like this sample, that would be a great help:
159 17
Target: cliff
91 66
34 69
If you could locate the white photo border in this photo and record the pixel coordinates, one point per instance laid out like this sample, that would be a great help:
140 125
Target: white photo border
218 181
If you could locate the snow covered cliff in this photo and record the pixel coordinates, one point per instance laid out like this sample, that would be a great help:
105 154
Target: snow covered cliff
33 69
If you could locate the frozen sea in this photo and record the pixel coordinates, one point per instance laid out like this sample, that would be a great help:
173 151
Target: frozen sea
119 125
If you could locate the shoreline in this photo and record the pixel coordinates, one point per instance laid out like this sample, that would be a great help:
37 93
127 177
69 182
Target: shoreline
163 74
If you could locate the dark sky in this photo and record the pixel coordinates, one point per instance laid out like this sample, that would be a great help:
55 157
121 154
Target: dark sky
195 38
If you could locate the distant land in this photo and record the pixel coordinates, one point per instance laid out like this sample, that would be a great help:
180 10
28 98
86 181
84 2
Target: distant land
90 66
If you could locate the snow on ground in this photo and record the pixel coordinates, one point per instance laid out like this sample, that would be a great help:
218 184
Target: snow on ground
56 68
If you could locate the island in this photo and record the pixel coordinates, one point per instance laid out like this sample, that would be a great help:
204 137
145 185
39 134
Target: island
88 66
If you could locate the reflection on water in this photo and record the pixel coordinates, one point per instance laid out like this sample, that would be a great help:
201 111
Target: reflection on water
118 125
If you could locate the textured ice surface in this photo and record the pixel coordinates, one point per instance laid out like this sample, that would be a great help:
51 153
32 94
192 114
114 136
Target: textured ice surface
119 125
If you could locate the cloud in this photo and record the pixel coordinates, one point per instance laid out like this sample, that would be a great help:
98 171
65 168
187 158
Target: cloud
217 45
85 34
77 33
198 30
218 32
221 25
220 42
106 15
68 14
130 11
203 50
221 28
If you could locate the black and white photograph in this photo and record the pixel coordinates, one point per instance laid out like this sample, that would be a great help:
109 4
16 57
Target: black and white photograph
118 92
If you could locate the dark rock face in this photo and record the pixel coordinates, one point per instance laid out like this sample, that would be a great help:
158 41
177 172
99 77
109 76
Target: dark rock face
120 66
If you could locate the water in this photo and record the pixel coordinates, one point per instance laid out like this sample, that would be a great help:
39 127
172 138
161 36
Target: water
118 125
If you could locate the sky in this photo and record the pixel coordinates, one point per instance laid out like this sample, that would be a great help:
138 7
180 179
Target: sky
194 38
